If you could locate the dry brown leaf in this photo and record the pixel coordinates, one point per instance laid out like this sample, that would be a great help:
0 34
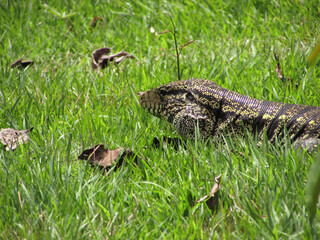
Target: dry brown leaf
280 73
119 60
21 64
188 43
25 64
278 67
16 63
106 158
12 138
164 32
94 22
212 199
101 58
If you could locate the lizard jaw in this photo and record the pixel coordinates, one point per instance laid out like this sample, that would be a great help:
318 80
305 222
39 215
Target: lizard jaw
151 101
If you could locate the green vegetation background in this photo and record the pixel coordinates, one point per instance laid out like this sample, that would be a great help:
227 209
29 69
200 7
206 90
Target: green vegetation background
46 194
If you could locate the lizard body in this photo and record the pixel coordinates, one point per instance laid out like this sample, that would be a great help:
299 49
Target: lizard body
201 104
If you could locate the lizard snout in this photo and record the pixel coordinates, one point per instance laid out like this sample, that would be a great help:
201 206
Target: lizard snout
151 101
140 93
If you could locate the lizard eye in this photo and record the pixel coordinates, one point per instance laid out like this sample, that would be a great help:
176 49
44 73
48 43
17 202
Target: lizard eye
190 97
161 94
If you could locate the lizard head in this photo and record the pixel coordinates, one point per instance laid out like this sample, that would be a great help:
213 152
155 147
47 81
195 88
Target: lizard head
179 103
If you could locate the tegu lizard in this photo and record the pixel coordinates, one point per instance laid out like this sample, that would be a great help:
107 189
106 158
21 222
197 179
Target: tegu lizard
201 105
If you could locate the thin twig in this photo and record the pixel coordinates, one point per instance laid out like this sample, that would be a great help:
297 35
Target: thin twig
176 46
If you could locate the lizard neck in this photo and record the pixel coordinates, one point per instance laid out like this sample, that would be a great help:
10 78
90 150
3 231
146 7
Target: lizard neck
237 112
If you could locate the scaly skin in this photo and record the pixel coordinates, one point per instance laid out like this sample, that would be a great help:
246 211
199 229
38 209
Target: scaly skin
201 104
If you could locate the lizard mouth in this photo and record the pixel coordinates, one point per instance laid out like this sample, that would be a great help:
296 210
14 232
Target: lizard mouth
150 101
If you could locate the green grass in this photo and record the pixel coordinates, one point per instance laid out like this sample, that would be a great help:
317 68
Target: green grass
46 194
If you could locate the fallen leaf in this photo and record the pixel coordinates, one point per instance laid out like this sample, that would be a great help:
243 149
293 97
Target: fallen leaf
280 74
122 56
212 199
25 64
164 32
106 158
188 43
16 63
278 67
119 60
11 138
101 58
94 22
21 64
